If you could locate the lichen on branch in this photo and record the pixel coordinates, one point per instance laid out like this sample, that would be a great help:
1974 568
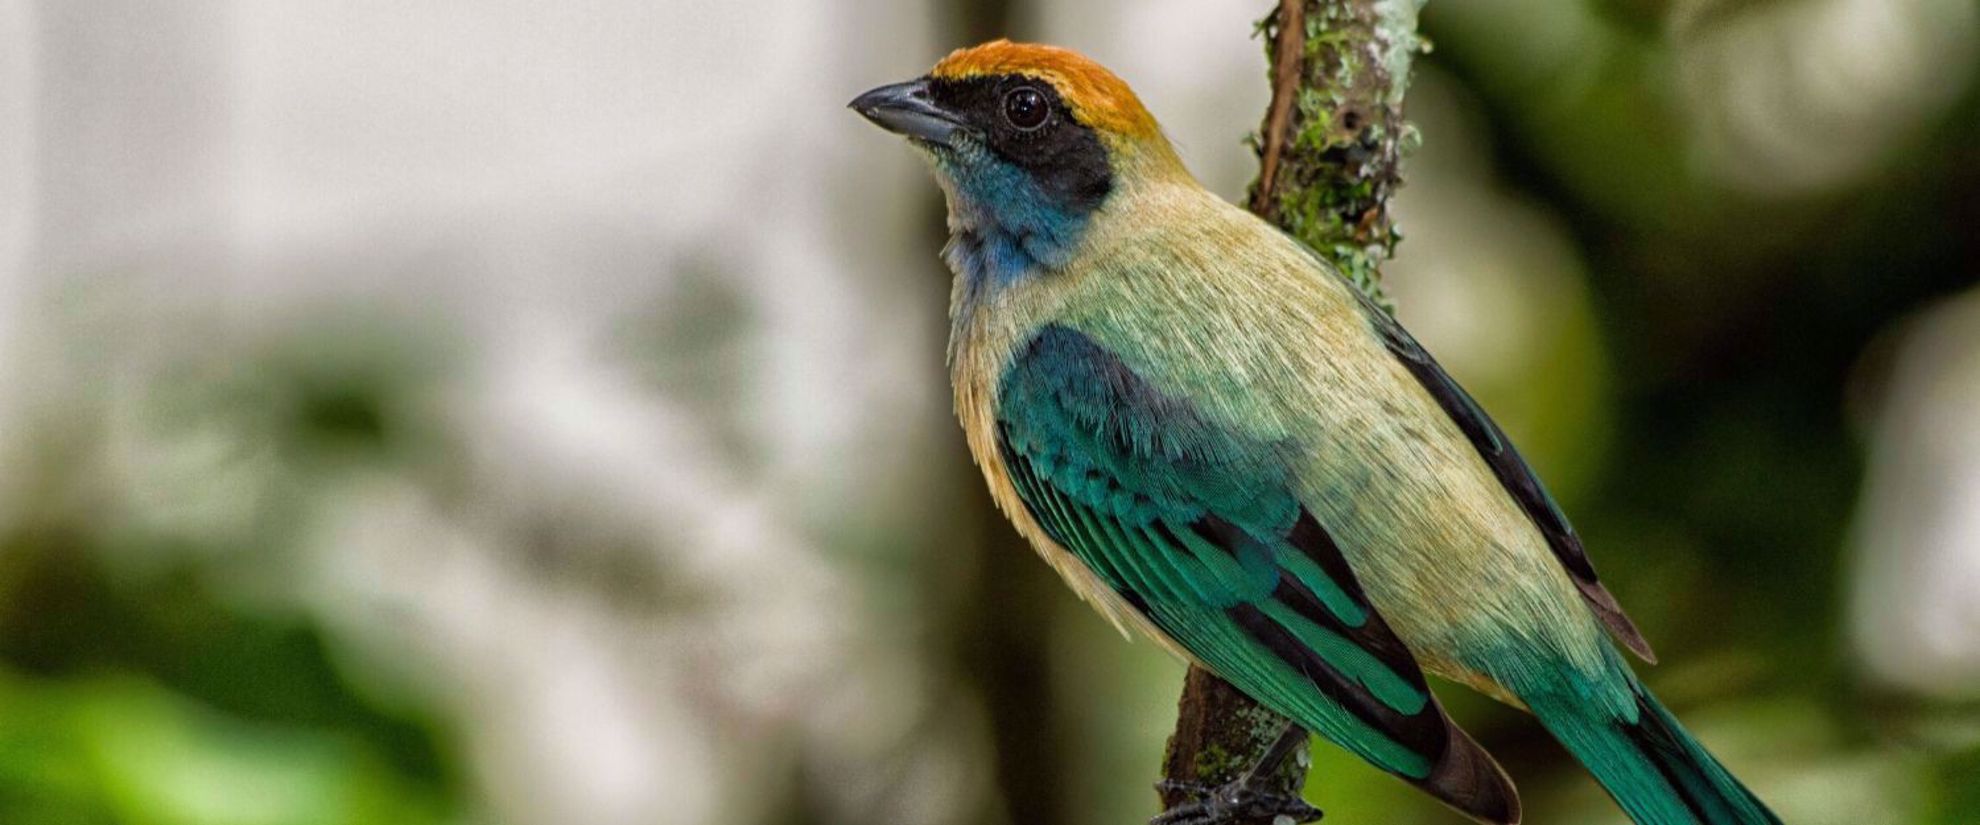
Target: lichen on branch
1330 167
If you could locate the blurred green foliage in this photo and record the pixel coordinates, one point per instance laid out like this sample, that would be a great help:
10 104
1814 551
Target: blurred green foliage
147 698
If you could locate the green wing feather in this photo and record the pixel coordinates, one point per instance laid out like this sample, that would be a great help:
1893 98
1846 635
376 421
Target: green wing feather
1196 527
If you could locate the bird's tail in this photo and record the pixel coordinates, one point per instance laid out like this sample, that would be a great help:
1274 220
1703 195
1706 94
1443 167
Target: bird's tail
1650 764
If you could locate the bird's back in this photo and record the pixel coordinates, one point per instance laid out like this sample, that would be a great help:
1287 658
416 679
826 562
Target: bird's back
1261 336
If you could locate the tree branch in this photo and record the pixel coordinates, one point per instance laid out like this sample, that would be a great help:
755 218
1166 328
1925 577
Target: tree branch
1287 48
1329 155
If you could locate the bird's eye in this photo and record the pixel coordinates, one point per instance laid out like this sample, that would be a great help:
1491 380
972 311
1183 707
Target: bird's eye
1025 108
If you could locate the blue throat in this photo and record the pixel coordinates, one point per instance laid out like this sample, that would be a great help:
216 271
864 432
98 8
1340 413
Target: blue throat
1005 228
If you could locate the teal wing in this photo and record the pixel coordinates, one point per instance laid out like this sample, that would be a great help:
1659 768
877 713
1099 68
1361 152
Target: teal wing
1513 473
1197 528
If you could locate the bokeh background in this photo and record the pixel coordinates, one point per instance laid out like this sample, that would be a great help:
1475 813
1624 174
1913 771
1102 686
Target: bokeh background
534 413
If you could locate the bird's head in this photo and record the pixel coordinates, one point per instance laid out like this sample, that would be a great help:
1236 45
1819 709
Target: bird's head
1028 141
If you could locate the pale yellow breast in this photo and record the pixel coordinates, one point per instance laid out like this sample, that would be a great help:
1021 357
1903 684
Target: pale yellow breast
982 348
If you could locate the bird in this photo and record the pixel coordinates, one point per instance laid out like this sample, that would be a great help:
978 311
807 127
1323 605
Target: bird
1223 445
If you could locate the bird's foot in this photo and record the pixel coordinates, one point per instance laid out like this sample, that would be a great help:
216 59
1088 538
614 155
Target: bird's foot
1245 800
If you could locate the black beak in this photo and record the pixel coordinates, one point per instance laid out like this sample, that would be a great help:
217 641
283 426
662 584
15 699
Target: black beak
906 109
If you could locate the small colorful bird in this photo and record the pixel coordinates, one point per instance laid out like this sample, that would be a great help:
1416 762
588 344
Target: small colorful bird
1218 441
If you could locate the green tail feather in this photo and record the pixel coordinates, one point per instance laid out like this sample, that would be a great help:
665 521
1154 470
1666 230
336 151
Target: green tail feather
1655 770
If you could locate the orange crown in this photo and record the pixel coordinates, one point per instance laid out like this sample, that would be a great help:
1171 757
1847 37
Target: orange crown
1098 98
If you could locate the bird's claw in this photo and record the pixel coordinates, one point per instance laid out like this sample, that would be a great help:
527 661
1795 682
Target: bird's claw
1236 802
